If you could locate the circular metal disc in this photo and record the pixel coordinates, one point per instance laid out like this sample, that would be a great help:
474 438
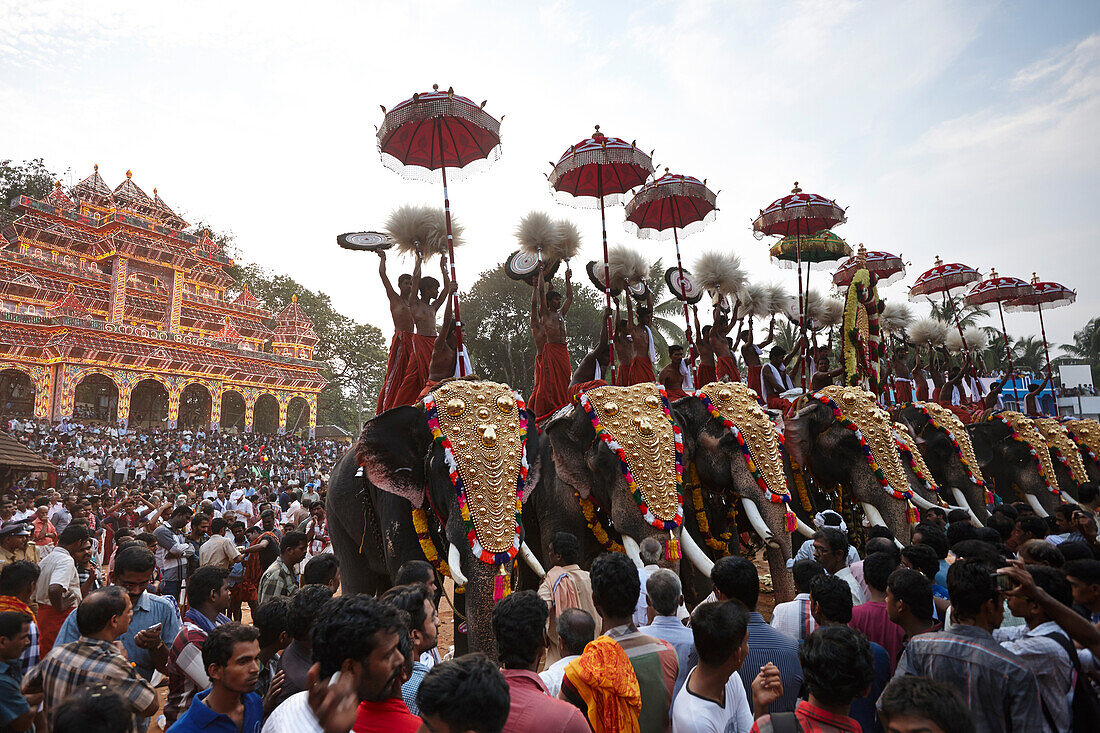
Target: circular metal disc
683 288
595 274
365 241
524 266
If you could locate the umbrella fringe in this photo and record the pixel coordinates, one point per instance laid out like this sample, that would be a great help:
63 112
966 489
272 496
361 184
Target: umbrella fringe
663 235
454 175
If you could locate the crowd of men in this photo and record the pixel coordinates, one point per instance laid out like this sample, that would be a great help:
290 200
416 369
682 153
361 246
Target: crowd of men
123 597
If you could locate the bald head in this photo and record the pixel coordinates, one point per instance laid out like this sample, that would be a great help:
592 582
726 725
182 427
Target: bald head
576 628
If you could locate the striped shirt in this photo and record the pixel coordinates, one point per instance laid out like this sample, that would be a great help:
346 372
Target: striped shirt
278 580
768 645
293 716
86 661
410 687
793 617
656 666
181 687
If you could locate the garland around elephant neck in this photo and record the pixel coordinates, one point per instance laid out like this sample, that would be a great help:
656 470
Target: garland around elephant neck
486 556
718 544
939 418
427 546
673 511
588 508
1017 421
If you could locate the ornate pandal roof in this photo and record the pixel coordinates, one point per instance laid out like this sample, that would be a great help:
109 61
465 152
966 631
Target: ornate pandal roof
1057 438
737 403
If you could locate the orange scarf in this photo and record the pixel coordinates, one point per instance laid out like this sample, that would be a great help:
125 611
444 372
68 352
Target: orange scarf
11 603
605 680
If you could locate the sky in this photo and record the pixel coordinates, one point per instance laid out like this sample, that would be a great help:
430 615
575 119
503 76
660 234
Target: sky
961 129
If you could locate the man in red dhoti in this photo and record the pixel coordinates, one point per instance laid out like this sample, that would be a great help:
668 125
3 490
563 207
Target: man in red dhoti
707 372
751 353
552 365
725 364
401 345
592 369
641 368
903 378
676 377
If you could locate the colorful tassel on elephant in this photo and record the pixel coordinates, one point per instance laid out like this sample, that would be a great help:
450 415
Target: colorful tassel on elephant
911 515
790 522
989 498
672 549
502 584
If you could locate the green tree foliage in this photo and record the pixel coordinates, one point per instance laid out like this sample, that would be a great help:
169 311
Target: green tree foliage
1085 347
29 178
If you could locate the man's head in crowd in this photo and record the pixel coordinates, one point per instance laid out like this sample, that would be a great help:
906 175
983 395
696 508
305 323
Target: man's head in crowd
231 656
359 636
576 628
803 572
1063 518
271 620
96 708
1040 552
519 625
1052 581
323 569
418 571
19 580
908 597
76 542
1084 580
831 549
836 666
919 705
104 614
14 536
615 586
564 549
877 568
976 599
465 695
1028 527
721 636
267 519
292 547
134 566
932 536
735 579
882 544
830 600
664 593
934 515
15 634
414 600
304 607
922 559
208 590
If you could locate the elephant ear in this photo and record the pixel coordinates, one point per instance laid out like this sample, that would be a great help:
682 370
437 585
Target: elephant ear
392 449
801 430
982 438
565 431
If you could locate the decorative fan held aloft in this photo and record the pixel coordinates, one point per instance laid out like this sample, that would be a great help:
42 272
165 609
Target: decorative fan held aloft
423 230
434 131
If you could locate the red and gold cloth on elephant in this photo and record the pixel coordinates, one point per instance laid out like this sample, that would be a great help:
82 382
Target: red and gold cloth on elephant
726 369
406 370
639 371
604 679
553 371
1063 447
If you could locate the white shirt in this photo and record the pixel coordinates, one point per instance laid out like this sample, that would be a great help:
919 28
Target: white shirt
293 716
793 617
58 568
694 714
552 675
845 574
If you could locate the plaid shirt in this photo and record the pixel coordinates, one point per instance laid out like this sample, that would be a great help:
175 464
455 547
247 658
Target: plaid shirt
278 580
86 661
181 688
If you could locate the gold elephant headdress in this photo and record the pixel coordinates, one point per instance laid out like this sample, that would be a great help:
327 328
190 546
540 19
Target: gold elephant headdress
1025 432
636 424
857 410
911 455
1086 434
947 421
482 428
1063 447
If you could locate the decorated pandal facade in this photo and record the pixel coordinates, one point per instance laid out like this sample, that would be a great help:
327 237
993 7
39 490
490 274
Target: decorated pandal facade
111 312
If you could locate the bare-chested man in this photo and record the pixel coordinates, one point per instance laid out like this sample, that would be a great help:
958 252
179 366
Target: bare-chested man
552 364
401 345
675 377
593 367
707 373
751 353
776 380
725 364
443 363
641 366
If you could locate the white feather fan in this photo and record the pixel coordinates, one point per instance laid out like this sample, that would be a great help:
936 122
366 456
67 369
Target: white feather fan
568 240
975 338
720 271
777 298
422 227
928 331
537 234
831 312
896 317
627 265
754 301
953 341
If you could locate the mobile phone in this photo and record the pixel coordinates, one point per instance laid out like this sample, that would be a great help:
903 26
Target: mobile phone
1003 581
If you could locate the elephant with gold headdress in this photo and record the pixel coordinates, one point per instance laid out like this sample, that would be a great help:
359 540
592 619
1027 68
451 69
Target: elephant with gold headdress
1086 436
443 480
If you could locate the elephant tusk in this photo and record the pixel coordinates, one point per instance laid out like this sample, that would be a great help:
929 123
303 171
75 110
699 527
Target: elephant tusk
804 529
872 514
961 498
1034 502
921 501
1068 499
630 546
531 560
757 522
694 553
454 560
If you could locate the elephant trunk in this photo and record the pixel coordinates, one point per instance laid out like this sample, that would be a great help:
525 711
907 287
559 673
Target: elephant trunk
777 551
481 597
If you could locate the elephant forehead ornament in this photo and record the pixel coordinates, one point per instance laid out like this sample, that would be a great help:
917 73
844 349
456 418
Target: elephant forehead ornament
636 424
857 410
482 427
1086 434
950 423
1024 431
1063 447
905 443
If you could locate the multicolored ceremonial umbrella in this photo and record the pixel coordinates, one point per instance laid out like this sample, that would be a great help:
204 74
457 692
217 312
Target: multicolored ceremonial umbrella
816 249
598 171
672 203
800 215
886 267
1050 294
435 131
997 289
943 279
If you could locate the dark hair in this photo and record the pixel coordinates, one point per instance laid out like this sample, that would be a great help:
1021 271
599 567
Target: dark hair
145 537
1042 552
271 619
920 697
204 581
1087 492
914 588
346 628
674 347
74 534
566 546
291 540
833 596
576 628
736 578
970 587
304 607
922 558
1072 551
468 693
414 571
988 534
98 608
136 559
1053 581
933 511
882 544
410 599
17 577
218 525
877 568
719 630
805 571
976 549
1085 570
1008 510
958 515
218 647
837 666
182 511
1033 525
519 621
877 530
320 569
96 708
836 540
615 584
1002 524
11 623
427 282
932 536
960 532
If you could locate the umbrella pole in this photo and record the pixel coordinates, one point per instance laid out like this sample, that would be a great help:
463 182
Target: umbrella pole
687 318
1046 351
1008 354
808 328
460 348
606 279
801 315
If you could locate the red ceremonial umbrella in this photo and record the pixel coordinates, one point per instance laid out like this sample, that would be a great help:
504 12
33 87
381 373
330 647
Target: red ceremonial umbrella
886 267
1050 294
997 289
673 202
435 131
802 215
601 168
943 279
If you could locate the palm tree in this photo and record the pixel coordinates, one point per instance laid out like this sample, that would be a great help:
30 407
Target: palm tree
1085 347
945 310
1027 353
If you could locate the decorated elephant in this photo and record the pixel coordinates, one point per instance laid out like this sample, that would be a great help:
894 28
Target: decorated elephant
1069 464
1086 436
738 470
443 480
925 488
616 458
843 437
944 443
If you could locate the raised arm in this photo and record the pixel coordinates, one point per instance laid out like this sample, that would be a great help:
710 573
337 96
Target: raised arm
390 292
416 274
771 335
630 310
540 284
698 330
449 285
568 301
535 320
